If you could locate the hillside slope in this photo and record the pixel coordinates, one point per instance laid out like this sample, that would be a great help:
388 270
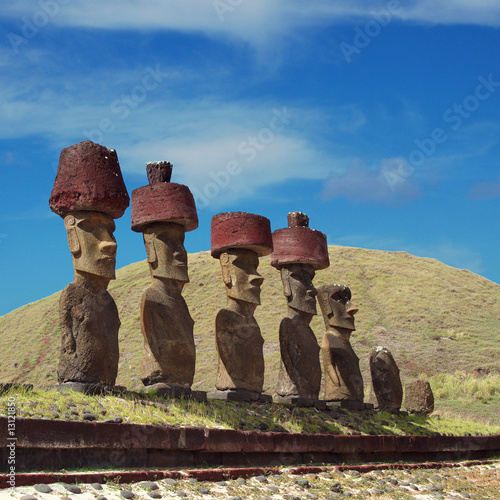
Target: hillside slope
434 318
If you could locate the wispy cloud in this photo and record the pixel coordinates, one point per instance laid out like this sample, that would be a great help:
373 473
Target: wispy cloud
361 183
256 22
485 191
258 142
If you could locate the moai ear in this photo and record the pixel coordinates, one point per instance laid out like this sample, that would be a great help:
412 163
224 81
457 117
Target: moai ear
325 296
149 243
226 269
285 279
73 241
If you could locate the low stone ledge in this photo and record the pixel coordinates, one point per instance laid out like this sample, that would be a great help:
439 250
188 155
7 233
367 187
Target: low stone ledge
54 443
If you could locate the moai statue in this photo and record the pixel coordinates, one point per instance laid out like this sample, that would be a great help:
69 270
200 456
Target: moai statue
89 193
386 381
238 240
298 253
343 380
163 212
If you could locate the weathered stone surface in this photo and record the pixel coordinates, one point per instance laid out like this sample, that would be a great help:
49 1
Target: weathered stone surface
163 201
89 325
89 178
299 244
159 171
237 240
240 395
163 212
343 380
419 397
240 349
231 230
386 381
42 488
169 354
300 370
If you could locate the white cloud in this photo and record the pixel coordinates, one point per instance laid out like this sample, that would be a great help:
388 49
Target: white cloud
263 142
255 21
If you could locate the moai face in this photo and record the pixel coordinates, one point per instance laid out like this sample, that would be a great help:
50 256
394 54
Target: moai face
91 241
239 271
167 256
298 287
338 310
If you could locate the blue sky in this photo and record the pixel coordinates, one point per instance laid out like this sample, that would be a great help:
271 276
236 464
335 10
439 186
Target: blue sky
379 119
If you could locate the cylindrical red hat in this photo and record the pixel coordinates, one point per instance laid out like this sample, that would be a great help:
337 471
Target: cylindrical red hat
241 230
298 244
89 178
162 200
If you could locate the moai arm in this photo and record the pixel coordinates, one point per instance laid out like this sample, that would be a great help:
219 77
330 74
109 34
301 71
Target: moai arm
328 362
68 343
288 353
148 325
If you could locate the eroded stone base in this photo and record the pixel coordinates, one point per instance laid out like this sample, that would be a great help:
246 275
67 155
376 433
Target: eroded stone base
350 405
240 395
174 392
301 401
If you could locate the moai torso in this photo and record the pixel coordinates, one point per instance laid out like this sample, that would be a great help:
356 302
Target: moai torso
386 381
89 324
241 358
169 350
300 370
343 380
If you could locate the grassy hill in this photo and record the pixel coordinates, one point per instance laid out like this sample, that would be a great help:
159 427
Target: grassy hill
439 322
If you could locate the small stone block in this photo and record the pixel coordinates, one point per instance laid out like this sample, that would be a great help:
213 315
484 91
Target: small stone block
167 391
332 405
240 395
356 405
294 400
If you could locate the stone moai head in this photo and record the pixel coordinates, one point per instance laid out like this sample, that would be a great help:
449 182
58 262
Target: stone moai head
298 253
91 242
163 211
238 240
88 194
336 306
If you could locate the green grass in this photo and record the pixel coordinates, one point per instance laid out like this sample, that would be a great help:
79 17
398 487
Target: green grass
420 309
230 415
